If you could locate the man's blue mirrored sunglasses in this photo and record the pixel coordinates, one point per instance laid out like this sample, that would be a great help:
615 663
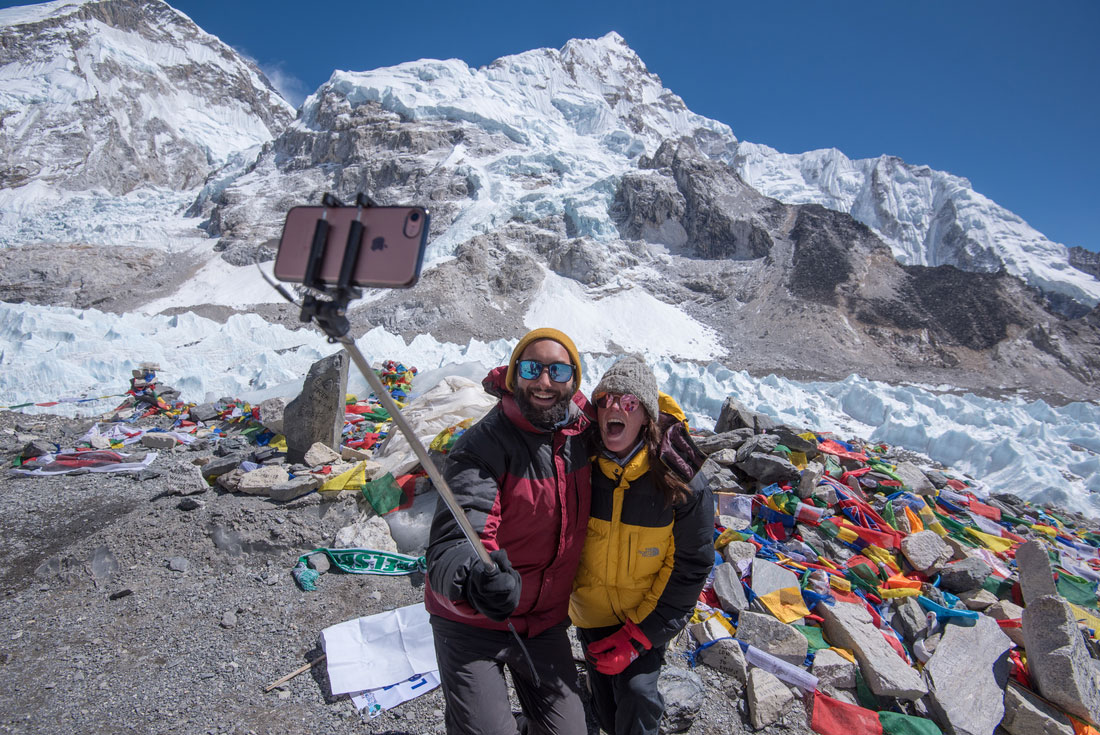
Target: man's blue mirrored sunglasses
560 372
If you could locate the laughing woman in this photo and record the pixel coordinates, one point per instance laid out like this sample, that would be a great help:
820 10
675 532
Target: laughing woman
648 550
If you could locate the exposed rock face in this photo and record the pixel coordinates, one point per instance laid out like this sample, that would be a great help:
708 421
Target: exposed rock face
86 277
1085 260
703 206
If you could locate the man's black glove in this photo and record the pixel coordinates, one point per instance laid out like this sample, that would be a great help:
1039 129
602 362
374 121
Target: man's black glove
494 592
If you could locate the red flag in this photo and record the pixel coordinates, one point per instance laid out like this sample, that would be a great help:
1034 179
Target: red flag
833 717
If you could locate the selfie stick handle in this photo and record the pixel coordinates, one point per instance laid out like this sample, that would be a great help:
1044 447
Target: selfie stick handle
418 448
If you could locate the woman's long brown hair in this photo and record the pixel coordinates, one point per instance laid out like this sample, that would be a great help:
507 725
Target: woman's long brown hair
672 487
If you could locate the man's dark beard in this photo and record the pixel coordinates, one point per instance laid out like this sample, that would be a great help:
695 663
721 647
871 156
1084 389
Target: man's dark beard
543 418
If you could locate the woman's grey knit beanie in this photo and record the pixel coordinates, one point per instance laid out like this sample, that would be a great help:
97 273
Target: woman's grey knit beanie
631 375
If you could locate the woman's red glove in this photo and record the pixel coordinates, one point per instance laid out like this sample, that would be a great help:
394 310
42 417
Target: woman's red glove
614 653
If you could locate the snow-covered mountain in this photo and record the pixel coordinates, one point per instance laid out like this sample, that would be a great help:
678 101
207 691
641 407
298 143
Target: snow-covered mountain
927 217
109 105
145 166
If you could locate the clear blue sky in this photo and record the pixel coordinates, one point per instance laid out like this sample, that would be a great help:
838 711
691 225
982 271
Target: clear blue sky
1003 92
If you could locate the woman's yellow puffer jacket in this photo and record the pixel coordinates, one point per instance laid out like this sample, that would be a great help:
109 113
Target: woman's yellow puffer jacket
642 560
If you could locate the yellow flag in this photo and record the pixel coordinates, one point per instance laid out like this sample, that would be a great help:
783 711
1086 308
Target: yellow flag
352 479
785 604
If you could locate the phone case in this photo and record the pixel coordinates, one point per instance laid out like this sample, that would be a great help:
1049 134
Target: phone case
391 246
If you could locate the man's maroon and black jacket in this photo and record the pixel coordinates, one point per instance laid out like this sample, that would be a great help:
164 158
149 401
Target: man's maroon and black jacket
525 490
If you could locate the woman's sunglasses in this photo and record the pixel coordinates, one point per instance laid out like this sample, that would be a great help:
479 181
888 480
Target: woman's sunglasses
560 372
627 401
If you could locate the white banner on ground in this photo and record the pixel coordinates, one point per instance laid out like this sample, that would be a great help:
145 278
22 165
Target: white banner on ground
379 650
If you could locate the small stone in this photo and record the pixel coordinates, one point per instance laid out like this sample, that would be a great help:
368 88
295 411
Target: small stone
319 561
203 412
810 477
229 619
261 481
351 454
978 599
294 488
37 448
768 468
925 551
219 466
833 671
740 554
727 586
189 504
158 440
120 594
321 454
683 693
726 656
965 575
178 564
768 698
914 479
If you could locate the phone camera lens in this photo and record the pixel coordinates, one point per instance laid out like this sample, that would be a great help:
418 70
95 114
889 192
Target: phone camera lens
415 216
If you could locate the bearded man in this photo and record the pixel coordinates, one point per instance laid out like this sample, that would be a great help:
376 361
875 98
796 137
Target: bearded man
522 475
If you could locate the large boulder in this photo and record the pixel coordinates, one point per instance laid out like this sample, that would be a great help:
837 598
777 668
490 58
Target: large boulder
849 625
317 413
1036 574
965 575
966 677
1057 658
772 636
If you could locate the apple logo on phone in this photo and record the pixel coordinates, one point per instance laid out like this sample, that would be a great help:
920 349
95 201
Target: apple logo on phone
378 243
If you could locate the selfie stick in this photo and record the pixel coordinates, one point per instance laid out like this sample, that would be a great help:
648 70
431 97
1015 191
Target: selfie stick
331 316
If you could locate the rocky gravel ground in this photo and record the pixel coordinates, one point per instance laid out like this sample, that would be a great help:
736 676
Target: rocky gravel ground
128 606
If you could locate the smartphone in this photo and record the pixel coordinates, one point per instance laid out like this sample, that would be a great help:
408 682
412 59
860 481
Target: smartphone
391 245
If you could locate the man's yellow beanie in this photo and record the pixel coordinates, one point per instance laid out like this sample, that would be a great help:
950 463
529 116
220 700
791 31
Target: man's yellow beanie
534 336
